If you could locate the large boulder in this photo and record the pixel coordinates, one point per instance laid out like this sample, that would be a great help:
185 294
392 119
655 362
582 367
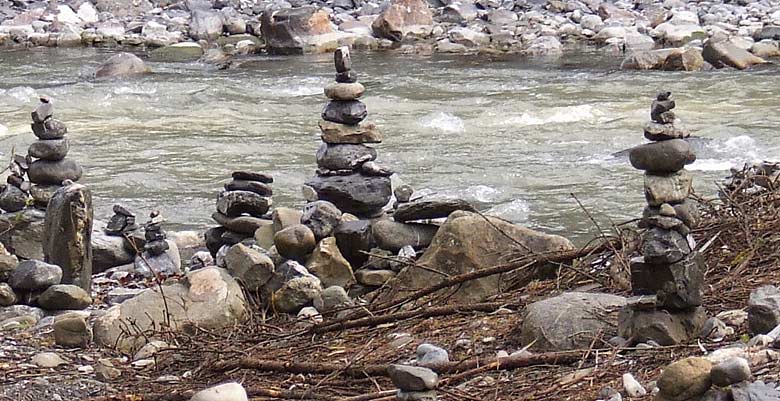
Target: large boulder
208 298
298 30
121 65
469 241
726 54
570 320
22 233
67 239
403 17
34 275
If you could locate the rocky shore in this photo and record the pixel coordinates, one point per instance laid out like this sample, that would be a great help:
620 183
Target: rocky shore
693 35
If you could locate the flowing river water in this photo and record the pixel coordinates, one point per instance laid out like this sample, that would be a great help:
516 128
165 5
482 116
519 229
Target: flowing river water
515 136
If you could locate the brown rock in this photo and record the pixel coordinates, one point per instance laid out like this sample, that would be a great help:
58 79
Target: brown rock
685 379
335 133
401 17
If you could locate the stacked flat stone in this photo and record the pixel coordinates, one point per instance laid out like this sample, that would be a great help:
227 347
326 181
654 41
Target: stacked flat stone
242 209
160 256
14 195
668 276
414 383
49 166
122 222
347 174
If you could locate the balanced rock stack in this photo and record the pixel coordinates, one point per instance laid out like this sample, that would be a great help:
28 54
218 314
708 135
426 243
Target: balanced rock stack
413 382
160 256
14 195
48 166
242 209
122 222
347 174
668 278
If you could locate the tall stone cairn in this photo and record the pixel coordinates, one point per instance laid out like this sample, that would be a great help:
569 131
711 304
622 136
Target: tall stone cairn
347 174
667 278
48 164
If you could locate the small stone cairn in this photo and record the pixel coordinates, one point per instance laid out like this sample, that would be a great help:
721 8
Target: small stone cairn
667 278
160 256
347 174
122 222
242 208
48 164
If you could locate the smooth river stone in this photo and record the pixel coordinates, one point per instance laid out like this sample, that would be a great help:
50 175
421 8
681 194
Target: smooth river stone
434 209
355 194
339 91
343 156
252 176
50 129
54 172
350 112
662 157
42 112
49 149
668 188
251 186
241 224
392 235
335 133
236 203
661 132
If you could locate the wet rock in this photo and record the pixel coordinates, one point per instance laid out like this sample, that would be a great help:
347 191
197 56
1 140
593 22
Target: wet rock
353 239
401 18
335 133
321 217
431 354
121 65
54 172
12 199
393 236
47 360
730 371
661 326
344 156
412 378
424 210
725 53
63 297
72 331
763 309
223 392
50 149
344 91
257 187
7 295
210 298
374 278
206 25
241 224
297 293
34 275
252 268
467 242
668 188
67 238
298 30
355 194
333 298
22 233
295 242
685 379
662 157
109 251
327 263
284 217
350 112
565 322
235 203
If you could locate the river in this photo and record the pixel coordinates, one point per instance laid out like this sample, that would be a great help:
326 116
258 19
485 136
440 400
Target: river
516 136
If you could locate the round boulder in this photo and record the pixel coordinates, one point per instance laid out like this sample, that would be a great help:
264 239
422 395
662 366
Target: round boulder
35 275
662 157
63 297
49 149
54 172
295 242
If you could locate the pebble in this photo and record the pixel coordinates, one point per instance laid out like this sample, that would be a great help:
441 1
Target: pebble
223 392
48 360
412 378
86 369
430 354
632 386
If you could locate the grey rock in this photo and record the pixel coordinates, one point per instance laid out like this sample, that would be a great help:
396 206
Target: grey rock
353 239
252 176
374 278
423 210
223 392
333 298
54 172
327 263
12 199
660 132
43 111
725 53
22 233
429 395
235 203
678 285
35 275
756 391
321 217
355 194
284 217
163 265
295 242
667 188
763 309
662 157
431 354
121 65
661 246
241 224
109 251
206 25
297 293
50 149
342 59
412 378
64 297
252 268
730 371
72 331
661 326
403 193
350 112
67 240
257 187
393 236
50 129
344 156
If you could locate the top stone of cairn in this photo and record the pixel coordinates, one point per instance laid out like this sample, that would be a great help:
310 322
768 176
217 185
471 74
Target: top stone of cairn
342 59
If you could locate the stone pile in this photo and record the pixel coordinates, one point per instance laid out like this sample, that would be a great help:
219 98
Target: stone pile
122 222
668 276
48 164
242 209
347 174
414 383
160 256
15 194
37 283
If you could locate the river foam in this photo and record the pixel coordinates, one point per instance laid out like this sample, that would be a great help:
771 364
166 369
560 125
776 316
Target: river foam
444 122
557 115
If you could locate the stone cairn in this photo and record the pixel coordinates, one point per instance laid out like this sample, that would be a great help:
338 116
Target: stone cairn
347 174
667 278
48 165
122 223
159 257
242 209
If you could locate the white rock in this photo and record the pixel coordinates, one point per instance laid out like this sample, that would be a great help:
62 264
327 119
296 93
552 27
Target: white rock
86 369
48 360
67 15
87 13
632 387
223 392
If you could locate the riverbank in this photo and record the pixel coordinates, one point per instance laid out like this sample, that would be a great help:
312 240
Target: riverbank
408 26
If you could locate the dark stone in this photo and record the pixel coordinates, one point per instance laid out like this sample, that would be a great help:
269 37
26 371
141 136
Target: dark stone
257 187
355 194
154 234
342 59
348 77
321 217
771 32
661 246
42 112
353 238
350 112
344 157
374 169
235 203
678 286
231 237
661 106
67 236
652 218
330 173
393 236
764 309
660 132
213 238
22 232
54 172
241 224
12 199
252 176
34 275
123 210
662 326
434 209
119 224
156 248
50 129
662 157
50 149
